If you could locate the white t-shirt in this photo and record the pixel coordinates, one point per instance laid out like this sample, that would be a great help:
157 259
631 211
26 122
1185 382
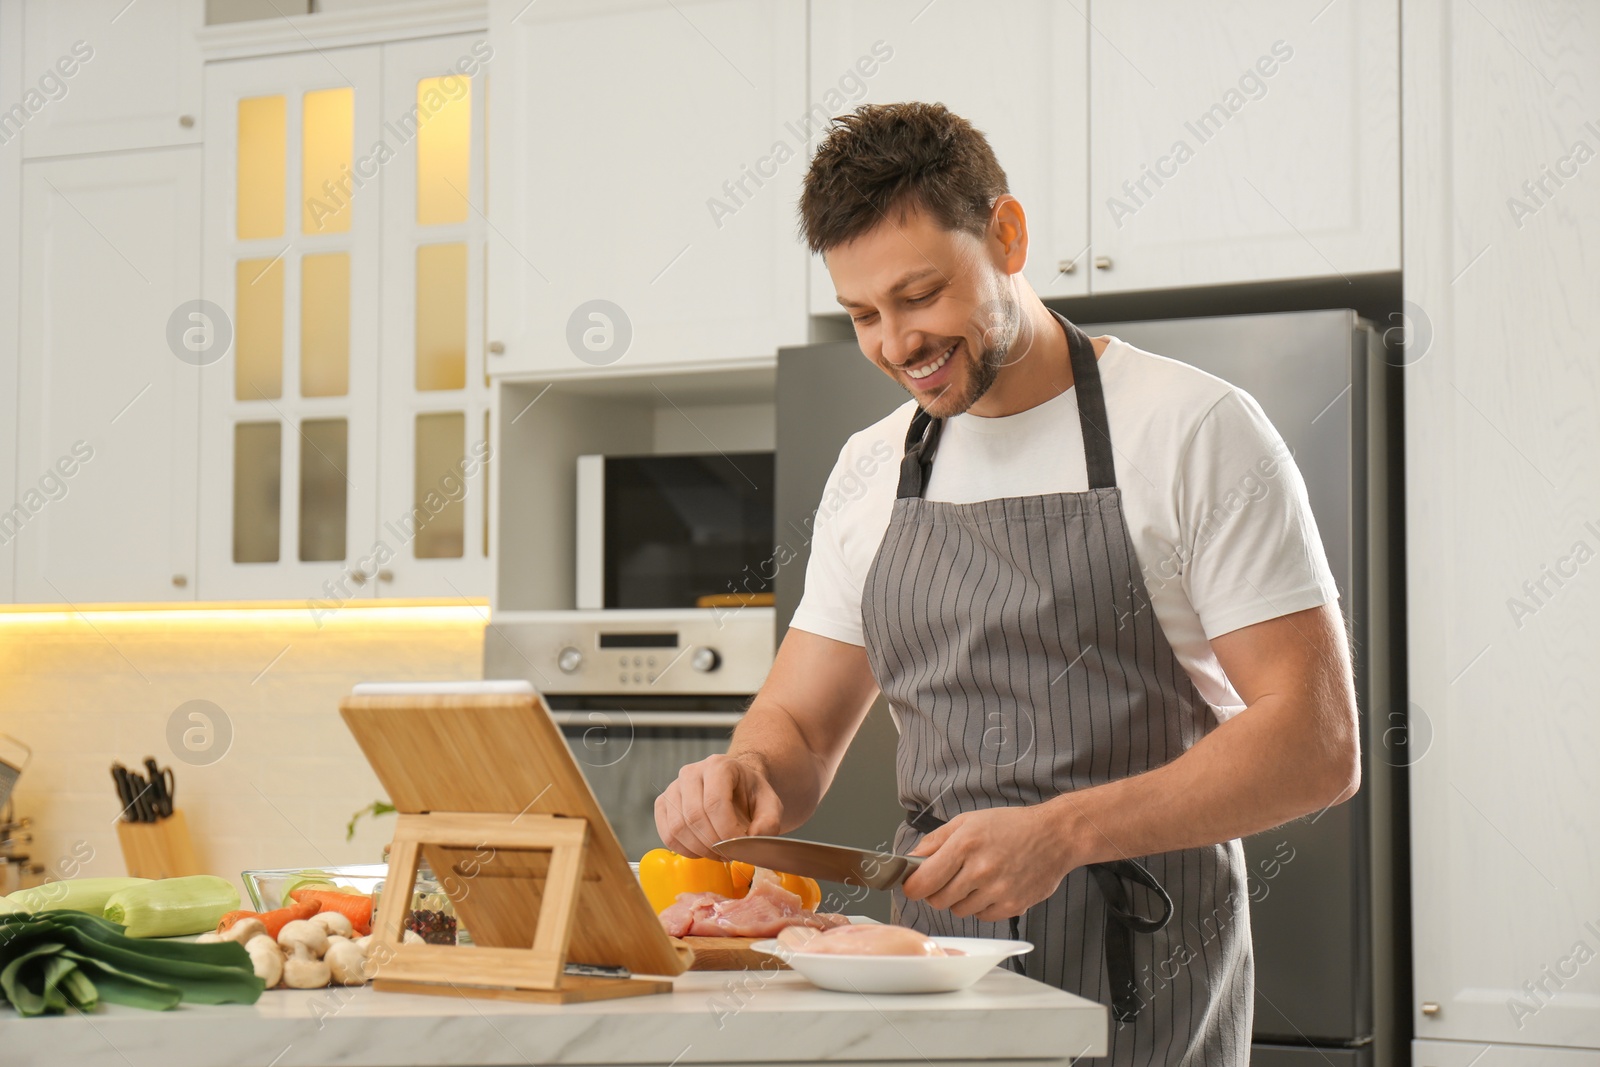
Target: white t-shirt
1216 508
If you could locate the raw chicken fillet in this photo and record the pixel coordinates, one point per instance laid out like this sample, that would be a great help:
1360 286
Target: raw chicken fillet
864 940
764 911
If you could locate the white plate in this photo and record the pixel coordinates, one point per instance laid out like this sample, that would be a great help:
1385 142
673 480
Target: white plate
900 974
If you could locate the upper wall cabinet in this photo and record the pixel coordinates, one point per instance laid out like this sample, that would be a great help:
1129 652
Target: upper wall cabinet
644 162
289 413
1020 80
1247 140
108 74
106 425
434 392
343 440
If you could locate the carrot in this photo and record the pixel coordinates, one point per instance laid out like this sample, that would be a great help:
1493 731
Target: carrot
355 907
274 921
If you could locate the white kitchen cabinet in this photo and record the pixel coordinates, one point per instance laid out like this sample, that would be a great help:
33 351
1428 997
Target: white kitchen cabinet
344 434
433 426
1503 527
647 155
1242 141
106 422
102 75
10 280
289 413
1020 79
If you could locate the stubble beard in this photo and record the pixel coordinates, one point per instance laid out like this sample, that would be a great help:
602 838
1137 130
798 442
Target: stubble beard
981 373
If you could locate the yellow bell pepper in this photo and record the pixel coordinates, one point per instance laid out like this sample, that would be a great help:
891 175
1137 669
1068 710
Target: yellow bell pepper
664 874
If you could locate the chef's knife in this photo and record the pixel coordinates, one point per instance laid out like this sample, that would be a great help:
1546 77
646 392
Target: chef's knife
813 859
142 810
160 788
119 774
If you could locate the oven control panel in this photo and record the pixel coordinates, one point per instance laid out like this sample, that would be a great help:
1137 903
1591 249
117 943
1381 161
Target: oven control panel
699 651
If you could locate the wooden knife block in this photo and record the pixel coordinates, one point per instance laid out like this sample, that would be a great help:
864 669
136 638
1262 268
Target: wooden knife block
161 849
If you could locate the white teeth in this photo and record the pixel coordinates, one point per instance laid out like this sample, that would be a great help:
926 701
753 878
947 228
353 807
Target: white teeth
923 372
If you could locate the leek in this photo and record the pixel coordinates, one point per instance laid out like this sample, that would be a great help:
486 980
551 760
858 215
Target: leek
56 961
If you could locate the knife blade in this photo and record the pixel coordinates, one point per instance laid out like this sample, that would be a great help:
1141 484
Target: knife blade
815 859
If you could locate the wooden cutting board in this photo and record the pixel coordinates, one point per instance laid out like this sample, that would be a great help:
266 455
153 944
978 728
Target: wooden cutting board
729 954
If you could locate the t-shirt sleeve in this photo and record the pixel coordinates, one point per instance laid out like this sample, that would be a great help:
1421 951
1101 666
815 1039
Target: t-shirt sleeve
845 533
1253 549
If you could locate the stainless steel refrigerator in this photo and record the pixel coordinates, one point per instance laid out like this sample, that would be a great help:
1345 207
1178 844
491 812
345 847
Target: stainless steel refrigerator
1326 911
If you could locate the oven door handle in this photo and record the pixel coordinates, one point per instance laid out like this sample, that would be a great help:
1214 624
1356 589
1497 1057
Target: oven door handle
647 719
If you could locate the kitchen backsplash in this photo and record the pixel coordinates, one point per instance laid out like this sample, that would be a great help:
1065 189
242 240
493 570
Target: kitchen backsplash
267 775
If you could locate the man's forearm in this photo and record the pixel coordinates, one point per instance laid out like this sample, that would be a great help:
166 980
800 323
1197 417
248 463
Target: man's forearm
802 720
769 736
1267 765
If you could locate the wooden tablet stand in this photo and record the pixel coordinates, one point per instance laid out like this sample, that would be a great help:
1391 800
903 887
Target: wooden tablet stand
488 793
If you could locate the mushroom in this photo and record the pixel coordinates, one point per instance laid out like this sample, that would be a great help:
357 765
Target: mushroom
266 958
302 970
334 923
210 937
245 930
304 932
346 962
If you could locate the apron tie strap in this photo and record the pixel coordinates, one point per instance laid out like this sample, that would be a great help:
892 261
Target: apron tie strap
1122 921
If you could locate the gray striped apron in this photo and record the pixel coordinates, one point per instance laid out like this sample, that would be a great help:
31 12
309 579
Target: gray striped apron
1016 644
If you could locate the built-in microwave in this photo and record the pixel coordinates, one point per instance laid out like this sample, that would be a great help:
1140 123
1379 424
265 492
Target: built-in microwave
675 530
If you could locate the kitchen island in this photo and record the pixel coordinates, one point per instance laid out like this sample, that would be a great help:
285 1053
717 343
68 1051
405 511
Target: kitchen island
711 1017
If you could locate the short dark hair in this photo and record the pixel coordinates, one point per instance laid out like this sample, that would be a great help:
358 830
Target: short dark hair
884 159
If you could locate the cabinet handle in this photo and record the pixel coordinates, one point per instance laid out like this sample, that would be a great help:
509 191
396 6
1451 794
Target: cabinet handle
497 348
1102 262
186 121
1067 266
1430 1008
358 577
386 576
180 580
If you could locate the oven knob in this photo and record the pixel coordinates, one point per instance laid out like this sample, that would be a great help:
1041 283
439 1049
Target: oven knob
569 660
705 660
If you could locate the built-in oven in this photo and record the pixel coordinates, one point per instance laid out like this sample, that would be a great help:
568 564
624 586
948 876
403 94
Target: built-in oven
638 694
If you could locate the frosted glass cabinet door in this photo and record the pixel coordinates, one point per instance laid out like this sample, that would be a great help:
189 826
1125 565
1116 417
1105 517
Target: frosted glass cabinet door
111 75
290 430
1020 80
663 183
433 492
105 508
1245 140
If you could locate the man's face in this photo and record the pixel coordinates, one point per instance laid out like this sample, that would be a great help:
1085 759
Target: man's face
931 307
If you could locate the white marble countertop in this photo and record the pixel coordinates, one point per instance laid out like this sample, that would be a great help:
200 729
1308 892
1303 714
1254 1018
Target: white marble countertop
725 1018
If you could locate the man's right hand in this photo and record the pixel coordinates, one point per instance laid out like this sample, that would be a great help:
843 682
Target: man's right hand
718 798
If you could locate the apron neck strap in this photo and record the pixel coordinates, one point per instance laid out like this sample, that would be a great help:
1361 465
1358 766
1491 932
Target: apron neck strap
922 437
1092 422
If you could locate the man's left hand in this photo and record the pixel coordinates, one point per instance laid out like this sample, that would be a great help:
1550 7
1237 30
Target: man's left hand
993 863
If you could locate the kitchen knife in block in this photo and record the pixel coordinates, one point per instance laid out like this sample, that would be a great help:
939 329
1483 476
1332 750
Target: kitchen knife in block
486 790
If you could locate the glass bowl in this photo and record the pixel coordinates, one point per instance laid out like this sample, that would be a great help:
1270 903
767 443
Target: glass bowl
432 915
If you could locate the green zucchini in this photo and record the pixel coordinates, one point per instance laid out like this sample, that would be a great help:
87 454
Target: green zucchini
173 906
75 894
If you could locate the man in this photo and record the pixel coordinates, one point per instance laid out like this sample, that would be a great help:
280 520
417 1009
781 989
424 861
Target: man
1103 618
